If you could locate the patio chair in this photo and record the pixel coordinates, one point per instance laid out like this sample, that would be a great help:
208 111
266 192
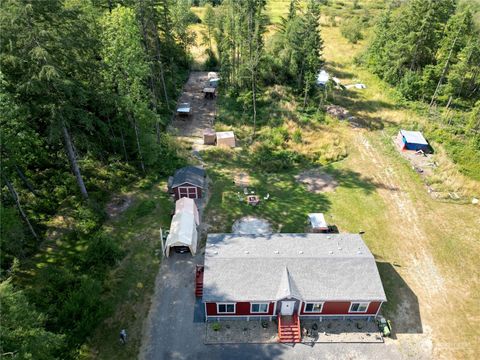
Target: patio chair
266 197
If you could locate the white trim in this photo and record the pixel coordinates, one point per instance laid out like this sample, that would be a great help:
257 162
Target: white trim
259 312
337 315
227 312
313 303
188 188
206 313
174 186
359 304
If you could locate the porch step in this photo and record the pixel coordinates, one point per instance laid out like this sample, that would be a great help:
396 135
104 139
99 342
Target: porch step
199 281
289 329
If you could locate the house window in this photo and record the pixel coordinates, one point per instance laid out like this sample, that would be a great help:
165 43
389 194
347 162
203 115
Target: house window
259 308
314 307
359 307
226 308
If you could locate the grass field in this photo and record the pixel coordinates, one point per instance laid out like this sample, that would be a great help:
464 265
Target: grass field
426 249
130 284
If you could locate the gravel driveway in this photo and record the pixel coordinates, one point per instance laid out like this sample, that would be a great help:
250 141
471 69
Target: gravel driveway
171 333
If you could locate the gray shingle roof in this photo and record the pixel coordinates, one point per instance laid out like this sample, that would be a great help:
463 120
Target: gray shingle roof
190 174
323 267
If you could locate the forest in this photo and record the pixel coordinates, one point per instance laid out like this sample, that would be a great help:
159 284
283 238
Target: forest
88 89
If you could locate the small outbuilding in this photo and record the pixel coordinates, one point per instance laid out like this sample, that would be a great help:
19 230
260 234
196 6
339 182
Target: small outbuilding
412 140
322 78
189 182
226 138
318 223
183 233
210 92
184 109
213 82
209 137
187 205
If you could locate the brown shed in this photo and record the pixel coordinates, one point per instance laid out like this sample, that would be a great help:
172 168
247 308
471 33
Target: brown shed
209 137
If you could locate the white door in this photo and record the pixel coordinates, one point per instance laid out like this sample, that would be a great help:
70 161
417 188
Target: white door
287 307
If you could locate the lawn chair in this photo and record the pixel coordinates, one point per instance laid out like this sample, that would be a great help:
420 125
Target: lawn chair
245 191
266 197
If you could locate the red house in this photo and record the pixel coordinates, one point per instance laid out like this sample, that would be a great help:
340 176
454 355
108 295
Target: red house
290 277
188 182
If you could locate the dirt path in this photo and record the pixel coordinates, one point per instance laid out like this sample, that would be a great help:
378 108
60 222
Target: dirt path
202 110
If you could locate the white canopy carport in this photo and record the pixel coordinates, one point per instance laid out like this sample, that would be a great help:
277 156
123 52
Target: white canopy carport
187 205
183 232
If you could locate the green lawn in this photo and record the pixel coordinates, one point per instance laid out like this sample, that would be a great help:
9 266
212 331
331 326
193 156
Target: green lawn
131 283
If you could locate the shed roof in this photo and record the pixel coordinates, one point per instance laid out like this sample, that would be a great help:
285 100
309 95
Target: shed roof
327 267
194 175
225 134
318 221
414 137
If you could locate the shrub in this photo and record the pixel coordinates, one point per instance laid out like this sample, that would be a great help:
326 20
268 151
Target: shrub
212 62
297 136
88 217
351 30
271 159
82 311
216 326
102 252
145 208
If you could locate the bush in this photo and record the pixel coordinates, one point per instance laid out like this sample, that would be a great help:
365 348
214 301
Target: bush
102 252
212 62
216 326
351 30
145 208
82 311
297 136
271 159
88 217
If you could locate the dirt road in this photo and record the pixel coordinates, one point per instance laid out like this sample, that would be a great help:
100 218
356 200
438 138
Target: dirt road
202 110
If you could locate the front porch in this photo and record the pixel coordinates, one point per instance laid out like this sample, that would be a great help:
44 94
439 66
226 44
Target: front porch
310 331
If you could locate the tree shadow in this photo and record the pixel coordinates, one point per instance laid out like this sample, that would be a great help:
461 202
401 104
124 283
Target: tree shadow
353 180
402 304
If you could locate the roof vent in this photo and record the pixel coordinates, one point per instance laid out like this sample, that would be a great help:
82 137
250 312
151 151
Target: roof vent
339 248
329 237
277 252
246 251
330 252
215 252
300 252
359 252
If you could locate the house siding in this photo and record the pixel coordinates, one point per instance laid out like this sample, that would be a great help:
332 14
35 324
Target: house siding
241 309
341 308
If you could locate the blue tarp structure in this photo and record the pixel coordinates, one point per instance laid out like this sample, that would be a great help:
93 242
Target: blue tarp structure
413 140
